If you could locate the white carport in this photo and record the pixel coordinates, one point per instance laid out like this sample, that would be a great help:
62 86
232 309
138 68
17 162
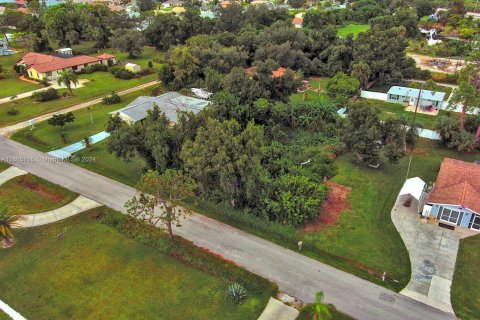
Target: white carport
414 187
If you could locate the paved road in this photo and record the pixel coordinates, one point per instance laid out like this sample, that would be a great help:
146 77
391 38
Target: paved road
295 274
7 131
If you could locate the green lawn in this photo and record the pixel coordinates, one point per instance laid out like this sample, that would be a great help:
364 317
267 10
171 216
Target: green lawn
311 95
389 109
4 316
3 166
354 29
10 84
96 272
101 83
30 194
47 138
109 165
466 283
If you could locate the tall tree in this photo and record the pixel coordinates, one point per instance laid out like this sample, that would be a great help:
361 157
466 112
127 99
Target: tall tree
342 86
468 92
226 160
160 197
130 41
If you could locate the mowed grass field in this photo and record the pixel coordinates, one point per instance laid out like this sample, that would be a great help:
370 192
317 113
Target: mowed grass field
354 29
99 85
466 283
31 194
95 272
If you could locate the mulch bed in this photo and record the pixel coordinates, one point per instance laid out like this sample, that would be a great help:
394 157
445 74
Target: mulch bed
40 190
335 204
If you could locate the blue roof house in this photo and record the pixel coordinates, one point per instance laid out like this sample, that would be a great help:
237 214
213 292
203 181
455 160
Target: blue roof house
409 96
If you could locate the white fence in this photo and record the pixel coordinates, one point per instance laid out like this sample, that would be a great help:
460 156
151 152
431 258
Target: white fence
373 95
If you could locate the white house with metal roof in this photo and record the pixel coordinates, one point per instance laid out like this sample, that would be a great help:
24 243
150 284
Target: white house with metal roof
405 95
169 103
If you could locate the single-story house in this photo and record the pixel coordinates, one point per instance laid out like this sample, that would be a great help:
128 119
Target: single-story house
172 3
133 67
409 96
41 65
297 22
66 52
169 103
455 198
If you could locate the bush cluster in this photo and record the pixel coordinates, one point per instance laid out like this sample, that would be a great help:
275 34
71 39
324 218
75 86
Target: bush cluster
112 99
46 95
121 73
184 251
94 68
444 77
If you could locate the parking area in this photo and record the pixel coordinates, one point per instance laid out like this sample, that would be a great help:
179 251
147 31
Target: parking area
433 253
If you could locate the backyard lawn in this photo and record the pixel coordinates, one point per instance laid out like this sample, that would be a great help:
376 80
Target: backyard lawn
96 272
30 194
389 109
312 95
354 29
466 283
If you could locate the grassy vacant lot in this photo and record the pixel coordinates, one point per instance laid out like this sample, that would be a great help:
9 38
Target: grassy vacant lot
354 29
31 194
47 138
10 84
95 272
466 283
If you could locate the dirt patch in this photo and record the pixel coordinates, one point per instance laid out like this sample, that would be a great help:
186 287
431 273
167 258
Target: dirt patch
419 151
39 189
335 204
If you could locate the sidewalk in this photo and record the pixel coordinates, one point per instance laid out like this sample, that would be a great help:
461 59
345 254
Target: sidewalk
10 173
77 206
7 131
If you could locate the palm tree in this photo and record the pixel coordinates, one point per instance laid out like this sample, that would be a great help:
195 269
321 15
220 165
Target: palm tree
8 219
87 142
67 78
321 309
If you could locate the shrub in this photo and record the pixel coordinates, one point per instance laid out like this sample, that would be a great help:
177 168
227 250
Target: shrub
112 99
46 95
1 76
1 68
13 112
121 73
236 293
20 69
444 77
94 68
44 81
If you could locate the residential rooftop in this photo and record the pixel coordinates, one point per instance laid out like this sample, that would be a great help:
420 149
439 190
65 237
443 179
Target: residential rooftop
413 93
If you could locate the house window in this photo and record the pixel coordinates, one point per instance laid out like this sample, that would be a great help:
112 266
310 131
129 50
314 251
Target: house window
393 97
49 74
449 215
74 68
475 222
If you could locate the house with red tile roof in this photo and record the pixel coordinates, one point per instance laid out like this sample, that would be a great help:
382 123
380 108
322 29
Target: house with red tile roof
40 66
297 22
455 197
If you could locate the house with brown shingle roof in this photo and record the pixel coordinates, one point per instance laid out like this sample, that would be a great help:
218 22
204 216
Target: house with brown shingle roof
455 197
40 66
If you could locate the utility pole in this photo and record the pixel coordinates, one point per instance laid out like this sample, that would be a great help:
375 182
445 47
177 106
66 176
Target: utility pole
416 107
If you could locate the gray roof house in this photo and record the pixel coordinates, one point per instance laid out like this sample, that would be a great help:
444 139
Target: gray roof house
169 103
407 95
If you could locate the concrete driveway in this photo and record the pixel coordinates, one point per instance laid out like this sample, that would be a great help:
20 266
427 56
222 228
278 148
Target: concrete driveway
433 253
